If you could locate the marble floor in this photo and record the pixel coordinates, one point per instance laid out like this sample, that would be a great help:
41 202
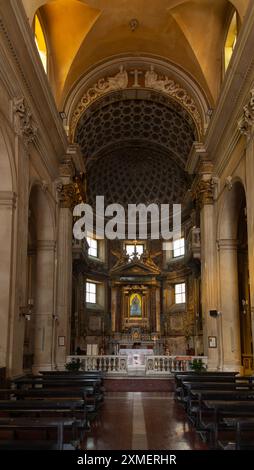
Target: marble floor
142 421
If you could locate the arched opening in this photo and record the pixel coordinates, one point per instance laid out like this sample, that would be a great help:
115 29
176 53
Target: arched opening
40 41
231 39
234 281
244 292
39 328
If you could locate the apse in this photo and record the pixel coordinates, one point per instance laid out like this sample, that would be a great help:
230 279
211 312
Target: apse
136 149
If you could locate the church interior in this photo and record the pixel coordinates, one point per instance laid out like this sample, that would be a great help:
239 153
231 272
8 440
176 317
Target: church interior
146 103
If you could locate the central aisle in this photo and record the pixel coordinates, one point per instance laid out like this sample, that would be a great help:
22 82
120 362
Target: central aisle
142 421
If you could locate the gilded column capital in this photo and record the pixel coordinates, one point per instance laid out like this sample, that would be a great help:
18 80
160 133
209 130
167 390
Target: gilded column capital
203 189
66 195
204 192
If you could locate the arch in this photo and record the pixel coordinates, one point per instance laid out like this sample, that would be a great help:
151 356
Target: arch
41 265
114 75
229 275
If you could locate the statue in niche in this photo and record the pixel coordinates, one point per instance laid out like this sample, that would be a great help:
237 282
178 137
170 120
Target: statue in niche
135 305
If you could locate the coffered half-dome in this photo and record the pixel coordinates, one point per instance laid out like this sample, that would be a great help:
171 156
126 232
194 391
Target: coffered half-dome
136 148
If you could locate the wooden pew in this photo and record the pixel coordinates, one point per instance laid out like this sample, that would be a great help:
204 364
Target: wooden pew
224 409
197 397
17 424
231 386
244 434
207 381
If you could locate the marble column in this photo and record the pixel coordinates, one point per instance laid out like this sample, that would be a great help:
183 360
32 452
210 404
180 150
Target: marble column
229 321
7 210
64 286
44 305
204 195
64 264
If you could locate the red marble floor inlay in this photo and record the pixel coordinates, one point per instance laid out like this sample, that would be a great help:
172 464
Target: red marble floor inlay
160 424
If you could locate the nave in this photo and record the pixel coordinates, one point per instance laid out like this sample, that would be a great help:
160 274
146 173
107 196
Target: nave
142 421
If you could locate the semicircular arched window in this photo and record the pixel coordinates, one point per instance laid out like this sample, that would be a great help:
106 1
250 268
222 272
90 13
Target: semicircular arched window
41 42
231 40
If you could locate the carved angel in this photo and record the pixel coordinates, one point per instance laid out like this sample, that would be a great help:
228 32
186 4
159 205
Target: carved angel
152 80
120 80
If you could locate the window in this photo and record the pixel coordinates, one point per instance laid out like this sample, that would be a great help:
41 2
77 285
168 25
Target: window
180 295
133 250
231 40
93 247
40 42
91 292
178 247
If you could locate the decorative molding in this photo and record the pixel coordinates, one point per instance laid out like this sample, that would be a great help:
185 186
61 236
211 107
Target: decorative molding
124 80
246 123
67 168
45 245
8 199
133 24
227 244
229 182
198 152
23 121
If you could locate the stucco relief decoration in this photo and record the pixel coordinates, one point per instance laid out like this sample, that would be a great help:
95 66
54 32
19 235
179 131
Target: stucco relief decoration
23 120
151 80
246 123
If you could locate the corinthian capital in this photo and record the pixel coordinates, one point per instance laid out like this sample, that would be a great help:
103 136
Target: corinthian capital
23 121
204 192
66 194
246 123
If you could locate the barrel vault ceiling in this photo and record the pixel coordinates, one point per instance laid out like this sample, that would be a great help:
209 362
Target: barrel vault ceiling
188 33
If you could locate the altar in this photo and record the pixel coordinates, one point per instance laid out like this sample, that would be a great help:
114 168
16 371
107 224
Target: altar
136 357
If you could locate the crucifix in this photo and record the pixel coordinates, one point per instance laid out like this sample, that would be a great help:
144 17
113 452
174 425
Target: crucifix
136 74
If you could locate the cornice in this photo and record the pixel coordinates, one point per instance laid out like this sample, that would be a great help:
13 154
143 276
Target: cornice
29 81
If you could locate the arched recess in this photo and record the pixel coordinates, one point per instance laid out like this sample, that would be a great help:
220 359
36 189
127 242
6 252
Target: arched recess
234 284
7 212
39 334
